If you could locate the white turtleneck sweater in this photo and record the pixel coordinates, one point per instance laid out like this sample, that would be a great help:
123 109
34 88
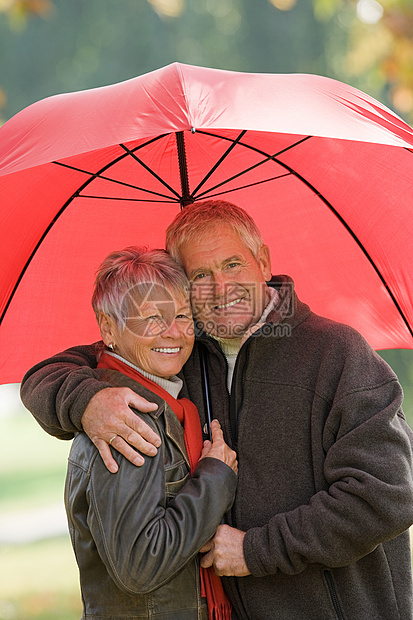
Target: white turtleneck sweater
231 346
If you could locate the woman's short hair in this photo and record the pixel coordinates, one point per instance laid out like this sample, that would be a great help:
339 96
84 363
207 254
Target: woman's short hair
136 271
194 220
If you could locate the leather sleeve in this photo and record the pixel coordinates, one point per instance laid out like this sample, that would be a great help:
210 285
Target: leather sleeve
144 540
57 390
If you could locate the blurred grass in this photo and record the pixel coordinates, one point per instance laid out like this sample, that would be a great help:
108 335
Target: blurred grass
32 464
38 580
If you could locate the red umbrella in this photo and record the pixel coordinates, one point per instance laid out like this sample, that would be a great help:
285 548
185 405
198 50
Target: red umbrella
325 170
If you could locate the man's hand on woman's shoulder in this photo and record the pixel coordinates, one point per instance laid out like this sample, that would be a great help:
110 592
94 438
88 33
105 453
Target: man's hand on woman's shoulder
109 420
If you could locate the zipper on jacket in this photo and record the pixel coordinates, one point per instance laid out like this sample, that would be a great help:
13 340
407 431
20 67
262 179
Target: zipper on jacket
333 594
209 343
234 403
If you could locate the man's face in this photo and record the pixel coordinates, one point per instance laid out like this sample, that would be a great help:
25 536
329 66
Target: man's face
228 284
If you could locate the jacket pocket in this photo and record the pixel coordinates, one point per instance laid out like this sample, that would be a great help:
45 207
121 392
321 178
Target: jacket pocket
173 487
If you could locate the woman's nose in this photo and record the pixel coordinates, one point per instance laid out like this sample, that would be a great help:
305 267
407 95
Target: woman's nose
172 329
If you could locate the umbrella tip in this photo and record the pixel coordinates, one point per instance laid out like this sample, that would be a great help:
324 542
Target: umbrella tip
193 130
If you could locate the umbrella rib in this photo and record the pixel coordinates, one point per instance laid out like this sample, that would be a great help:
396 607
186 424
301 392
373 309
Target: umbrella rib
168 198
246 170
240 187
326 202
52 223
38 244
117 159
356 239
236 176
233 144
95 175
249 146
152 172
221 159
342 221
98 175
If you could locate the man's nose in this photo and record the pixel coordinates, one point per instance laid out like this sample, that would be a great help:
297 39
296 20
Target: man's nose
221 283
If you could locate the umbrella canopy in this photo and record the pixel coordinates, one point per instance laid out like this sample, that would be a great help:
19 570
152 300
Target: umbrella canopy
325 170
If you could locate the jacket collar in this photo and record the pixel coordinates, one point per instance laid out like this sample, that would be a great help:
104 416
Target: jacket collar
173 427
289 309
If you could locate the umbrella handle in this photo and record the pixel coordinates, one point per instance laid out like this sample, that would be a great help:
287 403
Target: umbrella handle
205 391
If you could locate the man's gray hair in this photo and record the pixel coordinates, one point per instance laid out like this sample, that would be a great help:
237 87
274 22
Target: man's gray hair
134 270
194 220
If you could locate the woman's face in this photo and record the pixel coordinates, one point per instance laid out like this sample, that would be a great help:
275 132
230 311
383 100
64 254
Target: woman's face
159 334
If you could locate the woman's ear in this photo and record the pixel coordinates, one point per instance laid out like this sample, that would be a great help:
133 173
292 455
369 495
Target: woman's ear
105 323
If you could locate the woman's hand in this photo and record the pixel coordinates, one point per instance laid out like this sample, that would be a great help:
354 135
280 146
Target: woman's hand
218 449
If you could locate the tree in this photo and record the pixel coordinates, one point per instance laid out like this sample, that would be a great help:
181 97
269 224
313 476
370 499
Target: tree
368 43
17 12
379 49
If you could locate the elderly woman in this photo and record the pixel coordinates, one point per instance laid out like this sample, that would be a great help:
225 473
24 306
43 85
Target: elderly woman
136 534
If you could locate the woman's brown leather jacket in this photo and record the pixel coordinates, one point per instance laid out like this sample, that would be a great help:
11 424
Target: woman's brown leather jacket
136 534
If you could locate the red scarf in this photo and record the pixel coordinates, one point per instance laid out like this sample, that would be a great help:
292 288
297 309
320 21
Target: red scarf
219 607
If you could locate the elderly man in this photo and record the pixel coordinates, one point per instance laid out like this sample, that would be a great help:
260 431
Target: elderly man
318 529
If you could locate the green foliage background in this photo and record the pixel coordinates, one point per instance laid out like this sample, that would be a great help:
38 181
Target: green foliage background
53 46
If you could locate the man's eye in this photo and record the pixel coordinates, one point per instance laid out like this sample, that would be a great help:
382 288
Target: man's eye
199 276
184 317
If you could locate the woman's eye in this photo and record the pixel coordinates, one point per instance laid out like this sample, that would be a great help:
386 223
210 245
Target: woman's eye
154 318
199 276
184 317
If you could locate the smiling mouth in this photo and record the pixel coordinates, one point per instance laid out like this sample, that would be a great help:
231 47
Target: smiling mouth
168 350
229 304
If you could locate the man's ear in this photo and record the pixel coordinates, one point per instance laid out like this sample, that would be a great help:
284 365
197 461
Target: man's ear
106 328
264 261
